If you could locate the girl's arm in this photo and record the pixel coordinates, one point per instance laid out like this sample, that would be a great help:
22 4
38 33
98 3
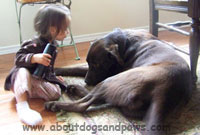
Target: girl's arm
41 58
24 55
30 54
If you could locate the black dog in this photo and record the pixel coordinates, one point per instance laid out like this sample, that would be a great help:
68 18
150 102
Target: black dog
137 73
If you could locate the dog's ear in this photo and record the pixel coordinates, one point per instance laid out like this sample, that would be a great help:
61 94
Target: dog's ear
120 38
93 41
114 53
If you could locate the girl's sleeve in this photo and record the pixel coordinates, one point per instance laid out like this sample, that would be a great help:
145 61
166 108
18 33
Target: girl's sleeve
24 55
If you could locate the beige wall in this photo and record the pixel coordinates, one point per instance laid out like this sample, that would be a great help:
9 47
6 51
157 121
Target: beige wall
88 17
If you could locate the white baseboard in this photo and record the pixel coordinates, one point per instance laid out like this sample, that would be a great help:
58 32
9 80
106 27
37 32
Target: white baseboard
9 49
86 37
77 39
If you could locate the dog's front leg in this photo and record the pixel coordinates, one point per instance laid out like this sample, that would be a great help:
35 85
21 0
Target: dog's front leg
72 71
76 90
77 106
71 107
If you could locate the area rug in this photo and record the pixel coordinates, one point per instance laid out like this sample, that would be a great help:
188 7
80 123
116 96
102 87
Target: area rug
110 121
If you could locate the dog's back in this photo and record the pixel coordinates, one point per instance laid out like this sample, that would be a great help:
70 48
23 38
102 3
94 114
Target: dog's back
154 78
144 49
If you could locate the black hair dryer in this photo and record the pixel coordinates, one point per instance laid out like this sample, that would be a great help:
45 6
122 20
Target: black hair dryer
39 71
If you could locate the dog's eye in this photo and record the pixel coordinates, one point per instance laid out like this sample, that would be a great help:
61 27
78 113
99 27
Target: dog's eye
110 56
95 65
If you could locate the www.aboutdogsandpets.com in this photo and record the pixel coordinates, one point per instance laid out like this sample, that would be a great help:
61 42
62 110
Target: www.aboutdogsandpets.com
120 127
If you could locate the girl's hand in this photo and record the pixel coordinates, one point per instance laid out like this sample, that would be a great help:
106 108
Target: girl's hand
41 58
60 78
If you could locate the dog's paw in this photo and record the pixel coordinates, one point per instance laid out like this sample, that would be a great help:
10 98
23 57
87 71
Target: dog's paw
71 89
51 106
76 91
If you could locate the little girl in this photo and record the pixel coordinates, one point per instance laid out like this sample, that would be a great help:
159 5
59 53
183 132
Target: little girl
51 23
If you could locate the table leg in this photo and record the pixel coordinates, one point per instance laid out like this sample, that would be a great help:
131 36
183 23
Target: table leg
194 46
153 28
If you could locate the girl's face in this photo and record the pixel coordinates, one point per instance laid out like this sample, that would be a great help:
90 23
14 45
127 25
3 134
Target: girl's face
62 34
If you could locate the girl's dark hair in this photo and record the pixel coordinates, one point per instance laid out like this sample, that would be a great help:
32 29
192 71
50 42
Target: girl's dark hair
48 16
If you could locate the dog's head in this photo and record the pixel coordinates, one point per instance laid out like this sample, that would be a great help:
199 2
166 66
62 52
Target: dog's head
105 57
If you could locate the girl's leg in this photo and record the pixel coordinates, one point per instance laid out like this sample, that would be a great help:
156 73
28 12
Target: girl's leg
45 90
21 87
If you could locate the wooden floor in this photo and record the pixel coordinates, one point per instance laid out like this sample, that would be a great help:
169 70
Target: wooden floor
9 122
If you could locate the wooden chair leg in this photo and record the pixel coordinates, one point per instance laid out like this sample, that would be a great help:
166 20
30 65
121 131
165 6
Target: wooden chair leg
194 46
153 18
